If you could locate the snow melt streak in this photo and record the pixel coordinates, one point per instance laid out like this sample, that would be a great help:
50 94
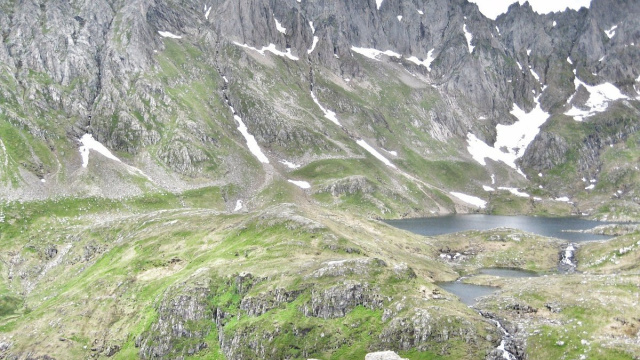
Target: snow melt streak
475 201
313 46
373 53
300 184
4 151
271 48
169 35
469 37
327 113
289 164
279 26
375 153
251 141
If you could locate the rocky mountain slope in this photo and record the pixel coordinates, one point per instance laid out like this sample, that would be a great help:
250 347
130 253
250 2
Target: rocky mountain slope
159 84
147 148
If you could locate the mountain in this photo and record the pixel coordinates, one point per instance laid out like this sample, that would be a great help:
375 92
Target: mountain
182 178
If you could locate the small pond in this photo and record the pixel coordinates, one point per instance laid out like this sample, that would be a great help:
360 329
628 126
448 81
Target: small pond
506 272
468 293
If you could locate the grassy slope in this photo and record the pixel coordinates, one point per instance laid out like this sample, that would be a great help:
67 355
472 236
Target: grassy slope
113 272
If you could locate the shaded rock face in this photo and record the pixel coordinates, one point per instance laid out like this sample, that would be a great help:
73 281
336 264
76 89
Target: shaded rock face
342 268
336 301
258 305
183 322
419 326
547 151
349 186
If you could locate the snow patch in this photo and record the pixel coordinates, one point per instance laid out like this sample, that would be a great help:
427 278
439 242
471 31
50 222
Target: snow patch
554 23
225 79
488 188
569 60
519 66
271 48
511 140
469 37
313 29
479 150
375 153
514 191
535 75
313 45
599 98
327 113
399 17
590 187
279 26
562 199
493 179
207 12
394 153
300 184
252 144
238 206
611 32
420 12
378 4
89 143
475 201
169 35
4 152
426 62
289 164
528 52
373 53
517 136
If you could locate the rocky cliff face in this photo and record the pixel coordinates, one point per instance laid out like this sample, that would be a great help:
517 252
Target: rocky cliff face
155 79
248 323
150 79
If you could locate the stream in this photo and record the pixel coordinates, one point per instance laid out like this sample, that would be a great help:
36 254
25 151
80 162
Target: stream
567 228
469 294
